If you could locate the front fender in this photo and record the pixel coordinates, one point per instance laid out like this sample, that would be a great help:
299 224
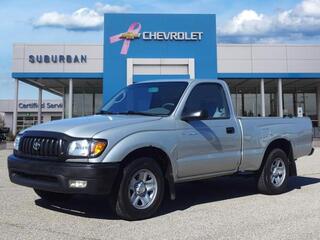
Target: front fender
165 140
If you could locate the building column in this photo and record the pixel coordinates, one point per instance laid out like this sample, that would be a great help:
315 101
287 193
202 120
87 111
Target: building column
64 113
39 105
280 103
64 104
15 110
236 107
70 97
263 102
318 105
242 104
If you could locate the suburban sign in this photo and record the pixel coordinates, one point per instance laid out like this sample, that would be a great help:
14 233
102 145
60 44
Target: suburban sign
57 58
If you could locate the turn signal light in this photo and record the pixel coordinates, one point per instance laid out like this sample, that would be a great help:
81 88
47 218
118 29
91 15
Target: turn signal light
97 147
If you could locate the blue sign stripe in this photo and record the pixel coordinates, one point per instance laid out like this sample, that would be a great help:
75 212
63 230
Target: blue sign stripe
267 75
220 75
56 75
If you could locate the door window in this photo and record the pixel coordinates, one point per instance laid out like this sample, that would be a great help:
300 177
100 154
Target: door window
208 97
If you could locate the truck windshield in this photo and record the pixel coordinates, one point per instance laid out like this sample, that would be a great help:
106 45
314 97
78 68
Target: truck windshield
150 99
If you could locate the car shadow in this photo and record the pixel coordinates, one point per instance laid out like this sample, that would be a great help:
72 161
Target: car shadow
83 206
187 195
223 188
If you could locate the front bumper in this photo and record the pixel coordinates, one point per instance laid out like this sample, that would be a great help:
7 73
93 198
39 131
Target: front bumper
55 176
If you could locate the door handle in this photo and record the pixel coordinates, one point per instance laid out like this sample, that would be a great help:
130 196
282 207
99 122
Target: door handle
189 133
230 130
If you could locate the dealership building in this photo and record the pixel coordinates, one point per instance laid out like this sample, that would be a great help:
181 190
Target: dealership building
264 79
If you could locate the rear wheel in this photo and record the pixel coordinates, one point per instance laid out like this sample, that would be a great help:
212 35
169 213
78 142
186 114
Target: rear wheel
141 189
52 196
274 175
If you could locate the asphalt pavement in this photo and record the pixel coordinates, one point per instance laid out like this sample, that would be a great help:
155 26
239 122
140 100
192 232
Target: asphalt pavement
222 208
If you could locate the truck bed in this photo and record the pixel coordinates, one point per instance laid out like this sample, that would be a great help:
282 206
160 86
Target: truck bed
259 132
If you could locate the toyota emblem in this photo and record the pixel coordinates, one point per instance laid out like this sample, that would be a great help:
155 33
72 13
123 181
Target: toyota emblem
36 146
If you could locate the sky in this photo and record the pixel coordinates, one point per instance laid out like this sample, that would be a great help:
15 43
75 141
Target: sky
81 21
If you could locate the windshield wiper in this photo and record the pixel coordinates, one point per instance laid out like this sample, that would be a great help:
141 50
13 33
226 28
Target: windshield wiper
131 113
139 113
107 112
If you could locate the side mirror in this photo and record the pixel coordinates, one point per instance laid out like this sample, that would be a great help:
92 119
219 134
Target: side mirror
199 115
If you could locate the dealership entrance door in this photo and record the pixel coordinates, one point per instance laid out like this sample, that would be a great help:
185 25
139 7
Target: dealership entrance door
141 69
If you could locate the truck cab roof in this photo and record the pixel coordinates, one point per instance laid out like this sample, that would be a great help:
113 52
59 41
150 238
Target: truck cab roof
180 80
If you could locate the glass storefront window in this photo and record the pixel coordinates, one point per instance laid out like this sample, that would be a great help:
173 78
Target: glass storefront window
310 104
258 109
267 104
288 104
250 105
83 104
54 118
273 105
97 102
247 102
299 102
237 103
24 121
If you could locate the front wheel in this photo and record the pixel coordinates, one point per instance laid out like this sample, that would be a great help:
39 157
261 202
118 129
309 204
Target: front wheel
274 175
52 196
141 189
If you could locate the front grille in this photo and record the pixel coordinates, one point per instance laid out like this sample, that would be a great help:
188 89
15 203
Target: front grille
42 147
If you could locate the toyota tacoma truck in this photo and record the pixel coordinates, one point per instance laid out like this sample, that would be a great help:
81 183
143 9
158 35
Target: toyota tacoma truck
151 136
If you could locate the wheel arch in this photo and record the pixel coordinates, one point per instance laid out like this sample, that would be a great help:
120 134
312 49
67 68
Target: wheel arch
284 145
160 156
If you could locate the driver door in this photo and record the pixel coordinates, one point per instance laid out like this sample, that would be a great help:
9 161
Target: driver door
210 145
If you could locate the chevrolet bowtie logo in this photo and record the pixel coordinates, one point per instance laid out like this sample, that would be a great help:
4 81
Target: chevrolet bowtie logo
126 37
130 35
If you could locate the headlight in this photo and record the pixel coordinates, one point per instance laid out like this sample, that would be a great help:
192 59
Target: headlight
79 148
16 143
86 148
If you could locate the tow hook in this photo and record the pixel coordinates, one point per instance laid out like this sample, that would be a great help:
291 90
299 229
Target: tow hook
312 150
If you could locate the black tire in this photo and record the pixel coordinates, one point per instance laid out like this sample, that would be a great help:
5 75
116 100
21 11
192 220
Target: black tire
123 206
53 196
268 184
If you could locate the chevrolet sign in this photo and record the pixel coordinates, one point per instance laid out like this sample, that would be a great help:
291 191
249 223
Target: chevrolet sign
172 36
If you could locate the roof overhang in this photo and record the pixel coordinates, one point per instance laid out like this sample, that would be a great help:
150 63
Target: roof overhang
57 83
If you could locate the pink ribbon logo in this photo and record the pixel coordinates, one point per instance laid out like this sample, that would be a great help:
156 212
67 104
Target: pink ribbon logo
131 34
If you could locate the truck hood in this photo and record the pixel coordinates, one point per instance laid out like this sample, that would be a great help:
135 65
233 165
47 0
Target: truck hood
87 127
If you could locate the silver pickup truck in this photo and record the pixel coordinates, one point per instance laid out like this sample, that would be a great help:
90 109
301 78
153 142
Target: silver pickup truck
149 137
